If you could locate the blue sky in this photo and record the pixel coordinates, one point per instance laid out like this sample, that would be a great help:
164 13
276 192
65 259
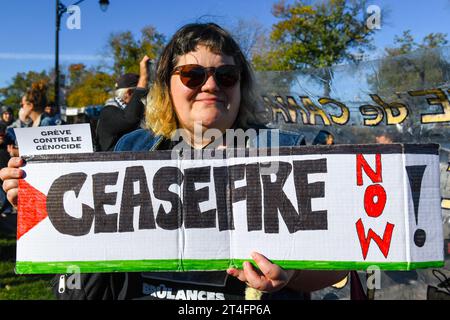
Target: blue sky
27 27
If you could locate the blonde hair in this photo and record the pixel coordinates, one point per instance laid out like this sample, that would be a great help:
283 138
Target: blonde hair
160 115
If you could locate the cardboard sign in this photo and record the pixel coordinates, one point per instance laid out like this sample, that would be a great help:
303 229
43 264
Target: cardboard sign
337 207
75 138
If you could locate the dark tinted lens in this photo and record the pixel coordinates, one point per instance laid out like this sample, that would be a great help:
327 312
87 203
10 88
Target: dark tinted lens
227 76
192 76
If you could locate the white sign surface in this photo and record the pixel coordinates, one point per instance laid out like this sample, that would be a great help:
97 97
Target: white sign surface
74 138
338 207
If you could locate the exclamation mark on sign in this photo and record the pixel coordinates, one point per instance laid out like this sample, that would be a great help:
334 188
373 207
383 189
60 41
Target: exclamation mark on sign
415 175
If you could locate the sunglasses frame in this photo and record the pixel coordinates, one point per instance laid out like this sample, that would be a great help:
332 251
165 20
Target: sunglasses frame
208 71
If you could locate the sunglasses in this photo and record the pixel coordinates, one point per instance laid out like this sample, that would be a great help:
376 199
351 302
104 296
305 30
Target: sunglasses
194 76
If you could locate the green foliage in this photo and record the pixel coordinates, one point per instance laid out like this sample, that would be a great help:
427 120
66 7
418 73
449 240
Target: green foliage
127 52
410 65
318 35
406 44
89 87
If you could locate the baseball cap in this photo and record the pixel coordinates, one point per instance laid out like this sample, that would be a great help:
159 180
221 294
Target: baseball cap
128 80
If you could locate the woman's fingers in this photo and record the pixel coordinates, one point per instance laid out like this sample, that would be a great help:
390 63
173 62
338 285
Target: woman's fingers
12 171
237 274
10 176
10 184
254 279
8 173
270 270
12 196
16 162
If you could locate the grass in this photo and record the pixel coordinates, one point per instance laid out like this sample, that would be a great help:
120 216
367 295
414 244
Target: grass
20 287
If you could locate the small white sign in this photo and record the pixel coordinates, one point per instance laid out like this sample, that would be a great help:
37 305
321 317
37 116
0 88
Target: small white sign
75 138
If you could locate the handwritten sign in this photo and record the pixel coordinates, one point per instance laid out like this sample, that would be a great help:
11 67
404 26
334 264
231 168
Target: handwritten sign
54 139
337 207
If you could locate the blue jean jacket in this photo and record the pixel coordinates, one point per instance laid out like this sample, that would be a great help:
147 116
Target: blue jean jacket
144 140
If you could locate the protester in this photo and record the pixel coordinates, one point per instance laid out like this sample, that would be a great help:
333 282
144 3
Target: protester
324 138
7 116
6 223
52 112
11 143
383 138
32 108
201 77
22 120
124 112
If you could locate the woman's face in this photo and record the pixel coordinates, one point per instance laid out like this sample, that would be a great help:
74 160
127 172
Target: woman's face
26 105
209 105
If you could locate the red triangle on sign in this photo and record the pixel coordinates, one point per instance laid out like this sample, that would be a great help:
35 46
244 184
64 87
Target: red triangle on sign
31 208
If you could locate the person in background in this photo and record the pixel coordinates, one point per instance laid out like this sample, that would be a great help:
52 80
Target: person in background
7 116
383 138
324 138
7 223
11 143
33 105
124 112
4 155
22 120
52 114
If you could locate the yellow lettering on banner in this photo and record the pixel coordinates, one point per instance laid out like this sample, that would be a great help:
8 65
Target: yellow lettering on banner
402 110
292 112
376 113
445 203
345 112
440 99
314 112
292 103
277 109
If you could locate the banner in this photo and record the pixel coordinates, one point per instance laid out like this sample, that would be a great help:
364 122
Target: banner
337 207
401 99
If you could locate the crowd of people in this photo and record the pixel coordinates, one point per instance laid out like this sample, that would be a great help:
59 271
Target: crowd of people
202 77
35 110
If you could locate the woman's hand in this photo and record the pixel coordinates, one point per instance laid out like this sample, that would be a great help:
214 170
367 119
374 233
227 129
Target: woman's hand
10 176
269 278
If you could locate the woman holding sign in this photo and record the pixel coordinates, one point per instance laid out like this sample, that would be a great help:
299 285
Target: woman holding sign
203 82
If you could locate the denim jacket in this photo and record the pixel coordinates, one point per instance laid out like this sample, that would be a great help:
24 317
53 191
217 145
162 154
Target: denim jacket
144 140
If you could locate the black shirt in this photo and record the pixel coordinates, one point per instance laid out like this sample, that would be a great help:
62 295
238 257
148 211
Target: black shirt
115 121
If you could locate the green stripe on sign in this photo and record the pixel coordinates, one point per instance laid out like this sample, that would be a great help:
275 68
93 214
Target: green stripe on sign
27 267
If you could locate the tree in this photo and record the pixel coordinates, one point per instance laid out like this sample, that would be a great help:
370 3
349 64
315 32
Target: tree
90 87
409 65
21 82
77 73
251 36
127 51
317 35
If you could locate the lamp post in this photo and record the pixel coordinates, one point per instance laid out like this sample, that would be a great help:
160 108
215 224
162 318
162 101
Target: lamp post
60 10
